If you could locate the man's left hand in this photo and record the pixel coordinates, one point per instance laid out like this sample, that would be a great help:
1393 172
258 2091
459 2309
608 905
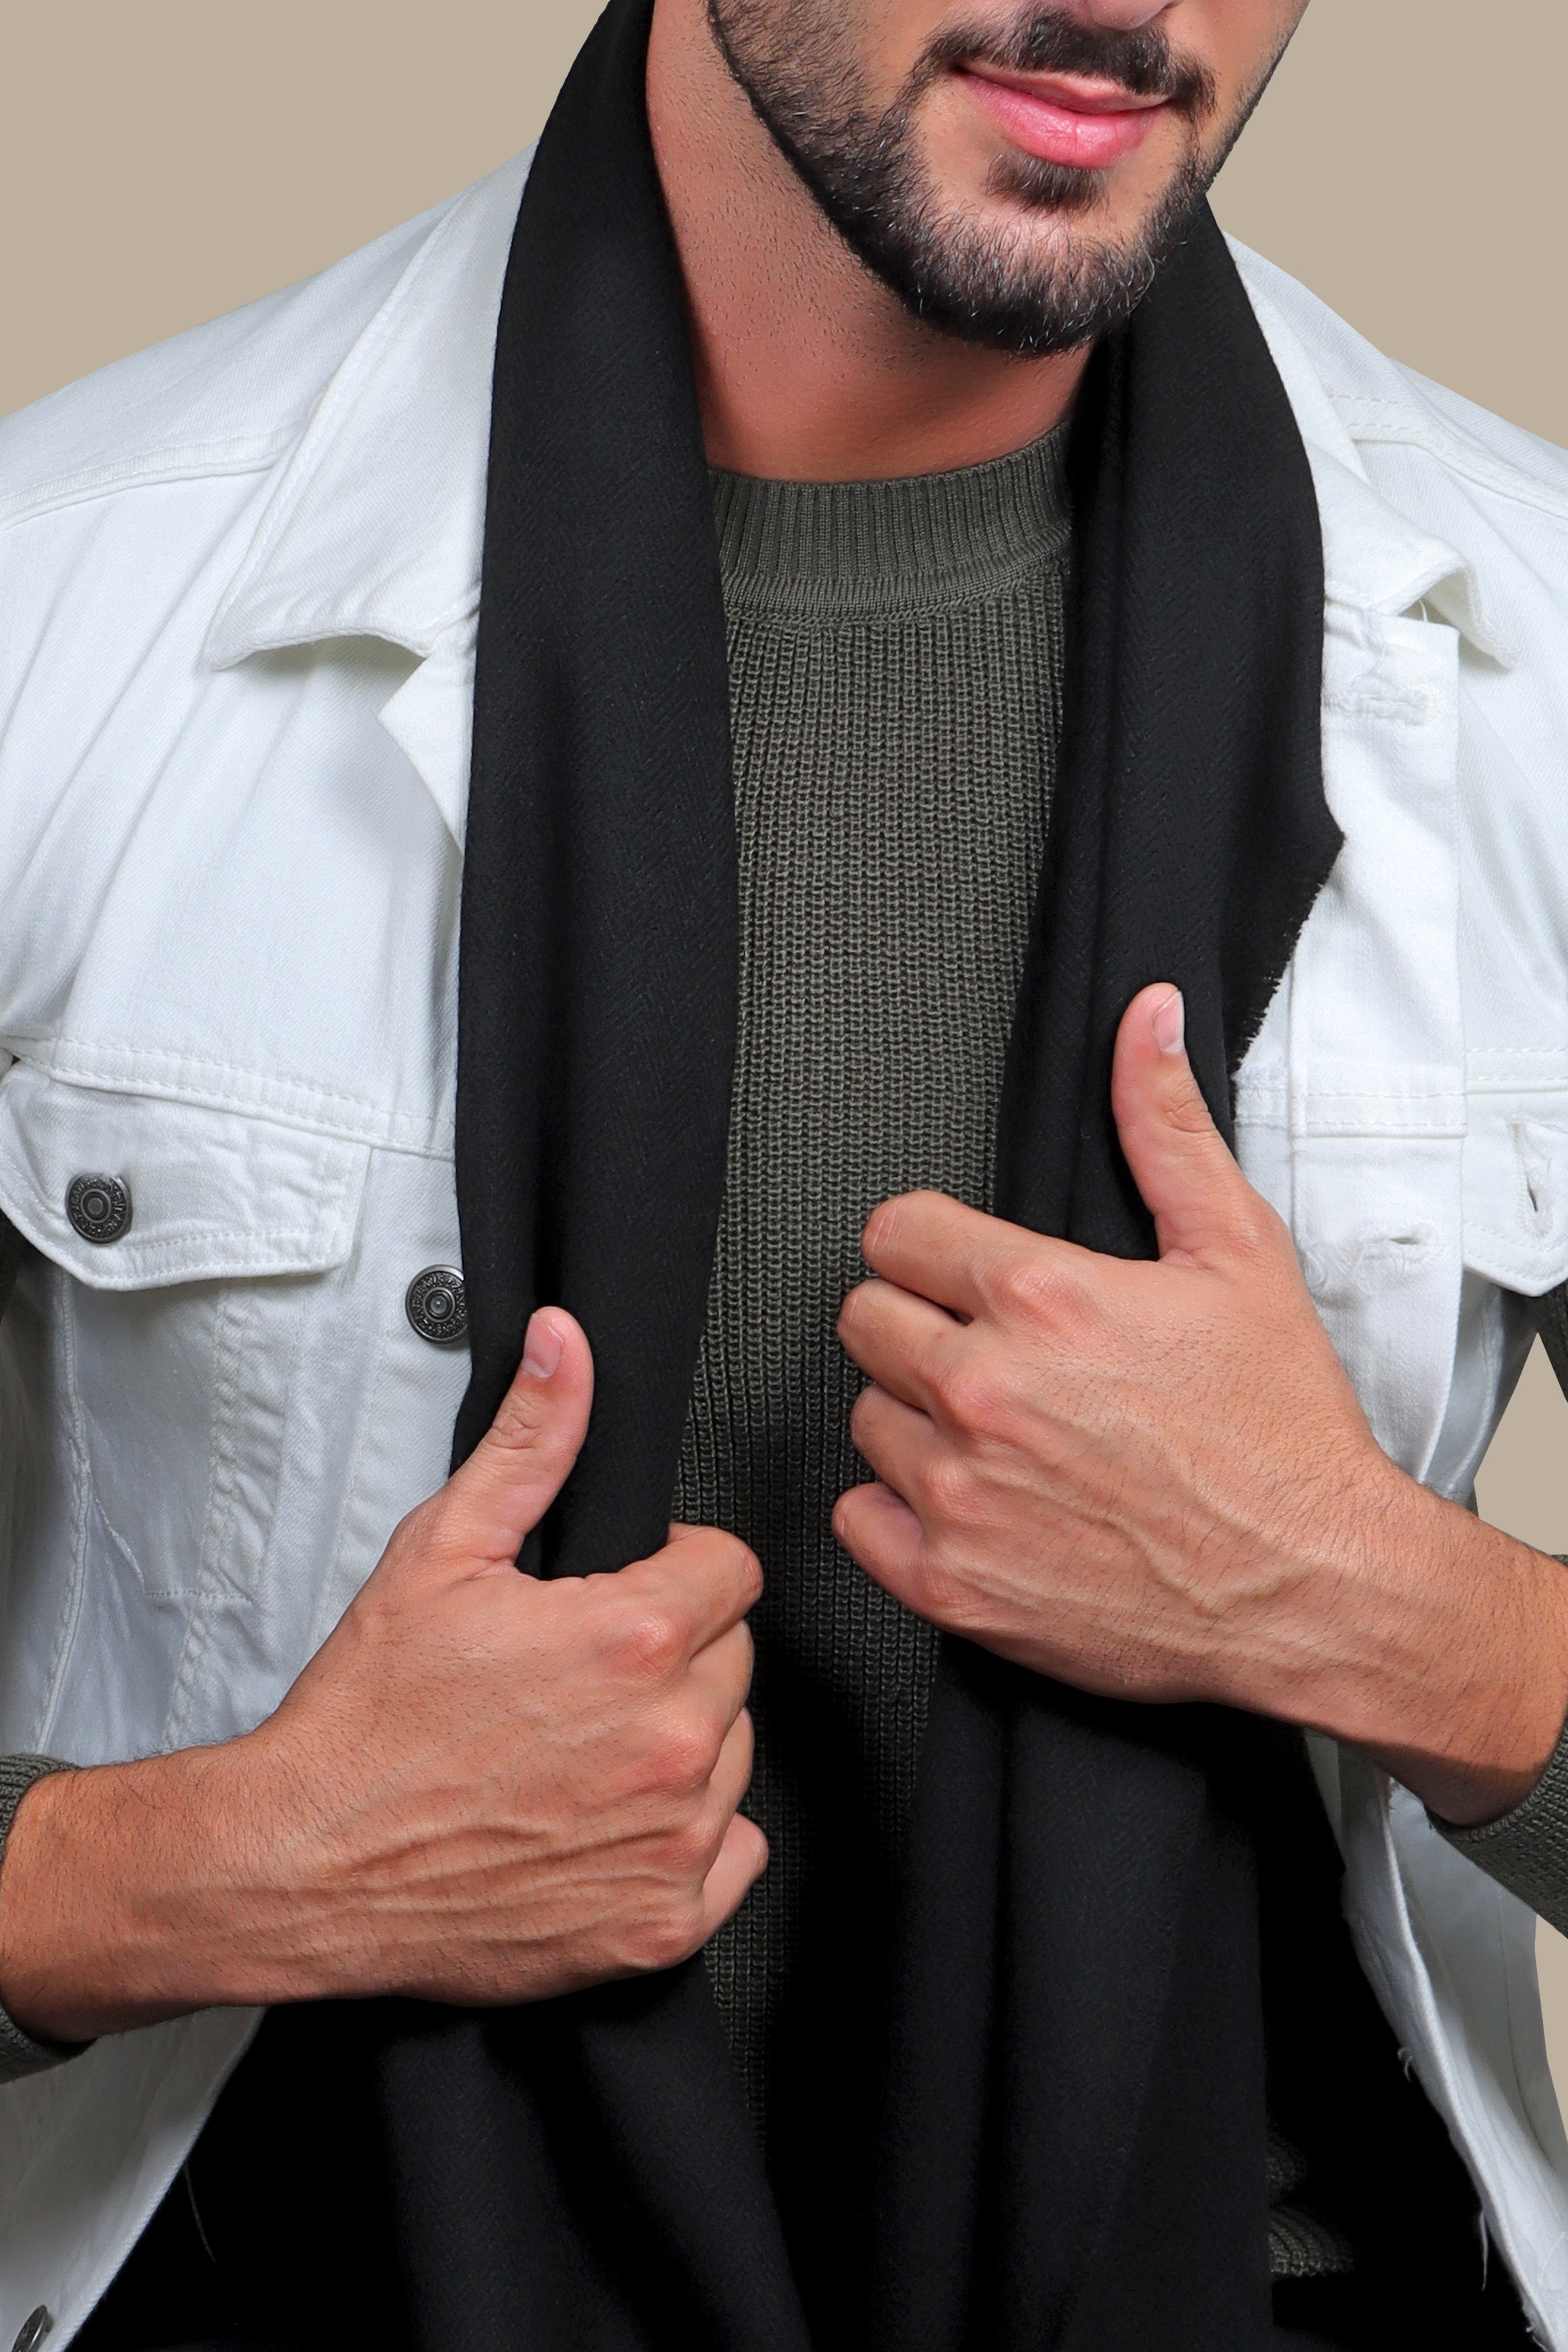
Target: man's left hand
1154 1479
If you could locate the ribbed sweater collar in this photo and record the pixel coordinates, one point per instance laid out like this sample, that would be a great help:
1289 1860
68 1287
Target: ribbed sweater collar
859 549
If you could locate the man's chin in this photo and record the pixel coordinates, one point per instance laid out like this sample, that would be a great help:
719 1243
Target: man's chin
1016 273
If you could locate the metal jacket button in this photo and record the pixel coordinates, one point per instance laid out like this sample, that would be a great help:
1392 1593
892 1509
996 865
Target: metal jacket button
99 1209
34 2329
437 1306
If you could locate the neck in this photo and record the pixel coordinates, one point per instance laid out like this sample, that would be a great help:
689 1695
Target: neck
807 369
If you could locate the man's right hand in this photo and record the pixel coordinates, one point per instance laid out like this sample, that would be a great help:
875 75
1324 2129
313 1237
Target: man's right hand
481 1788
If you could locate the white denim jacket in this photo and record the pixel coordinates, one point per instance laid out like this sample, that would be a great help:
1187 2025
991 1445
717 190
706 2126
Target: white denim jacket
238 577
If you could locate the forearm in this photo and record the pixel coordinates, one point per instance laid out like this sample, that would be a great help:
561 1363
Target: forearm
135 1892
1436 1645
22 2053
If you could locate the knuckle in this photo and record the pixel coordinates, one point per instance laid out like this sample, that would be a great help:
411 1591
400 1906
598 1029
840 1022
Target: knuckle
1026 1286
674 1933
746 1568
418 1532
1186 1111
1262 1230
937 1594
716 1557
685 1756
433 1536
515 1427
667 1923
650 1639
969 1401
951 1491
692 1846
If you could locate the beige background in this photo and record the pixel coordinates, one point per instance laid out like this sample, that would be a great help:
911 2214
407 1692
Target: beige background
163 163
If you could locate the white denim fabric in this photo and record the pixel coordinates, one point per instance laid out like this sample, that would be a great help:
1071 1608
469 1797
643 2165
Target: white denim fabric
238 577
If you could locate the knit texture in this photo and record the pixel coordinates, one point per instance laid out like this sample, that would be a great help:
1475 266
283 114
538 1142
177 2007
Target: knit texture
1302 2243
1527 1850
20 2053
896 661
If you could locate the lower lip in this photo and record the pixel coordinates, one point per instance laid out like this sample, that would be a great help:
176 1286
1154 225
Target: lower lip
1059 135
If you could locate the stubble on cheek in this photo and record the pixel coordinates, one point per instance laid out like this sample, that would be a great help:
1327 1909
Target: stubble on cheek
995 246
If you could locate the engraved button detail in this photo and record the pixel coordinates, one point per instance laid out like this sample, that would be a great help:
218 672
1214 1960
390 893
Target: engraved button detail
99 1209
437 1306
34 2329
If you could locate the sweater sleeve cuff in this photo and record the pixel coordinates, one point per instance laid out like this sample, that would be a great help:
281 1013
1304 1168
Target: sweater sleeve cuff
1527 1850
21 2053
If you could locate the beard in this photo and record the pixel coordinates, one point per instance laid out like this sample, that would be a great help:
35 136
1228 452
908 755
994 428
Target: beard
1039 281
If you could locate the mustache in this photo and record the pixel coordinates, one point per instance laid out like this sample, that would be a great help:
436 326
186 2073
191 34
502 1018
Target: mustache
1045 41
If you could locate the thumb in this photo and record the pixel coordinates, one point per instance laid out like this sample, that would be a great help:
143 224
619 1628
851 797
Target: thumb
520 1464
1201 1202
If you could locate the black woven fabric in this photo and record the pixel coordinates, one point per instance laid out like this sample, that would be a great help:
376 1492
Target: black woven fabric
1074 2148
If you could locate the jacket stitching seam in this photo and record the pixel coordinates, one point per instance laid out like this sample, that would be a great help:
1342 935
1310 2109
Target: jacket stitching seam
195 461
353 1487
70 1615
143 1053
417 1136
1369 418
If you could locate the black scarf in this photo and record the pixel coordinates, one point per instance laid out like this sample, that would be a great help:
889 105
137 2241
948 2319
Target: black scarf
1074 2148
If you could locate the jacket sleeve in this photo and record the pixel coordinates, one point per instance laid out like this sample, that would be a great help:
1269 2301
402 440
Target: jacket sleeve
1527 1850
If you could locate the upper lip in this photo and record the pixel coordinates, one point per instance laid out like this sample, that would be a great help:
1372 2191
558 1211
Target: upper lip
1081 93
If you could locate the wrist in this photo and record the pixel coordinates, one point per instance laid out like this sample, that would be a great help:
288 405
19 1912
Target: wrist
131 1893
1439 1648
1493 1710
